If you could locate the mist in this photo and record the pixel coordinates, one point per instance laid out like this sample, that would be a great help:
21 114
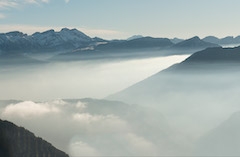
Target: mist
91 127
93 78
134 110
197 100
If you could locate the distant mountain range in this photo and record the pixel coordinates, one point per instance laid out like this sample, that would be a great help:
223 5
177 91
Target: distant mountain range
139 47
47 41
71 44
16 141
194 43
222 41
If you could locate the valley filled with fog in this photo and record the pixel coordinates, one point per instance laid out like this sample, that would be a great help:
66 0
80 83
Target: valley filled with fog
104 78
91 78
41 98
139 97
162 106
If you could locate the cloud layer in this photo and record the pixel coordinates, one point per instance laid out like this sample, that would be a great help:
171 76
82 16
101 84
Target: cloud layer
97 128
28 109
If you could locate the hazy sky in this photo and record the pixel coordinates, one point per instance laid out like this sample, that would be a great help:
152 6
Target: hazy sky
123 18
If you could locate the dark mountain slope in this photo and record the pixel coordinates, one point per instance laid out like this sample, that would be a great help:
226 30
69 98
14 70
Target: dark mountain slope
17 141
210 59
216 55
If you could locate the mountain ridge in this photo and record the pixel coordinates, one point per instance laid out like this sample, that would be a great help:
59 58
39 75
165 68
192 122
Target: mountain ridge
222 41
46 41
72 44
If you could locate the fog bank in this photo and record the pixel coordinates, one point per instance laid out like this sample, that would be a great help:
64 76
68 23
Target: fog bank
78 79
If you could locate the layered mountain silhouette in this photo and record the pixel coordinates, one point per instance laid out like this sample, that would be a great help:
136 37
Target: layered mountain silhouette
144 42
73 39
16 141
176 40
73 44
222 41
194 43
140 47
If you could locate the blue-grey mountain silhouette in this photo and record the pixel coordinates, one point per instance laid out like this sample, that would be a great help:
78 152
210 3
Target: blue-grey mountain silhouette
222 41
193 43
176 40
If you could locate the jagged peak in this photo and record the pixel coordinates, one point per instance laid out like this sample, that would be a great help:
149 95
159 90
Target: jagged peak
15 33
72 31
69 30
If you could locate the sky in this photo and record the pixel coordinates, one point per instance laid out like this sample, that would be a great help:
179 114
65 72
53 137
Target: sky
119 19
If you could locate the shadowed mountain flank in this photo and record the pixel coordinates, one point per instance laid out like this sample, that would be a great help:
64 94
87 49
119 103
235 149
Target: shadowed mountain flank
17 141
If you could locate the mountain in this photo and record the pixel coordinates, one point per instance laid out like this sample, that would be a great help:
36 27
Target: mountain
116 49
71 44
48 41
229 40
213 55
65 39
139 43
136 48
193 43
211 39
224 140
208 59
17 141
176 40
99 40
15 41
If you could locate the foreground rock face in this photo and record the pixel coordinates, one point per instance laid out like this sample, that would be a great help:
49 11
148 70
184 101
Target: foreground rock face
16 141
